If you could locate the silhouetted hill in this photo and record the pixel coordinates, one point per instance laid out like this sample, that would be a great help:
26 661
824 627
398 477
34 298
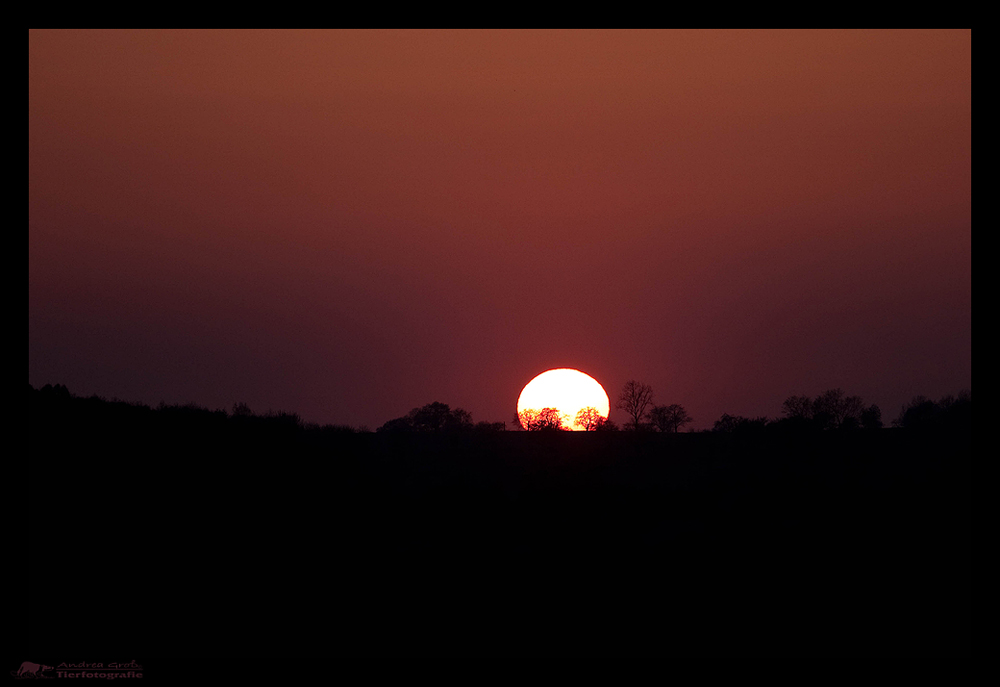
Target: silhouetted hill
266 537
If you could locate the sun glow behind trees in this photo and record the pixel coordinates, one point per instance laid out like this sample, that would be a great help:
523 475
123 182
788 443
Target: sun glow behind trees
565 392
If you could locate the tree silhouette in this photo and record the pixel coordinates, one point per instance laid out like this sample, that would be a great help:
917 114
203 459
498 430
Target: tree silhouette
834 410
949 411
589 418
399 424
606 424
438 417
433 417
546 419
831 410
669 418
871 418
729 424
634 399
241 409
798 407
919 412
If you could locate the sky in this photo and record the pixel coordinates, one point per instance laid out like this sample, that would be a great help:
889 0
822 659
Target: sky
350 224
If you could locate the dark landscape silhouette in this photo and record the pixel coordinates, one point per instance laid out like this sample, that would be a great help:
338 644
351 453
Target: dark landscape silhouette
559 343
182 531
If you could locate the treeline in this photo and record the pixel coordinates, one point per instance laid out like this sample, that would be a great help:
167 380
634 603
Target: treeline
831 411
439 417
835 411
55 407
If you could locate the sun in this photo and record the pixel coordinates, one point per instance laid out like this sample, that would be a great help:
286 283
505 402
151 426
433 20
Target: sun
568 391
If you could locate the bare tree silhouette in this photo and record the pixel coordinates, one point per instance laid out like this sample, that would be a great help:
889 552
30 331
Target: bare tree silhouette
831 410
834 410
634 399
589 418
546 419
669 418
798 407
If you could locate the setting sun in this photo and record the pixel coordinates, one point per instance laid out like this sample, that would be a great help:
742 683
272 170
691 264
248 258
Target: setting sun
566 390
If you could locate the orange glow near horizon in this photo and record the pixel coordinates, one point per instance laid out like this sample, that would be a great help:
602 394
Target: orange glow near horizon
567 390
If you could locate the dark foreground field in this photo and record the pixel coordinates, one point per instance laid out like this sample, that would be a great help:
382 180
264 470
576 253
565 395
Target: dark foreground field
156 540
